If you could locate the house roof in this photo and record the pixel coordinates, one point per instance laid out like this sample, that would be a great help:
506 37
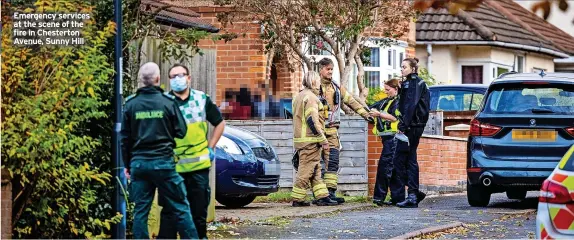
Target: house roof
180 17
485 24
552 33
191 3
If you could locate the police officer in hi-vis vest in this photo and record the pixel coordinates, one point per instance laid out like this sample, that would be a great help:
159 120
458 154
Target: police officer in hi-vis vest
151 121
390 173
309 140
335 96
194 153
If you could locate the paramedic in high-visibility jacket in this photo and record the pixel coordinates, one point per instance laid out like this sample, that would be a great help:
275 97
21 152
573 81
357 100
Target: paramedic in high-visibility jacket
390 173
335 96
194 153
310 141
151 123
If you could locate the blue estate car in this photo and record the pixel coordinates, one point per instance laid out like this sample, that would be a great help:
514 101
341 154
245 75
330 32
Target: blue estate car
457 97
519 134
246 167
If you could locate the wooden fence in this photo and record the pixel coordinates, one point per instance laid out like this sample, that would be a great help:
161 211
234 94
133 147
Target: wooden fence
353 178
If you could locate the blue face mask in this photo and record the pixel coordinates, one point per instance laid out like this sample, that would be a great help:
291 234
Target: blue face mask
178 84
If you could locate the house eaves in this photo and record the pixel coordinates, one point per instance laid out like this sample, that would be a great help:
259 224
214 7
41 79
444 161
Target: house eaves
178 17
543 50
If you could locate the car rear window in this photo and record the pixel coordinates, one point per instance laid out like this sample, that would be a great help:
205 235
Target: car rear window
540 98
568 165
454 100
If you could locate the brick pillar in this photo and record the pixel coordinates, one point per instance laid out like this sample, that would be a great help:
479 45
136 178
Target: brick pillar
6 205
375 147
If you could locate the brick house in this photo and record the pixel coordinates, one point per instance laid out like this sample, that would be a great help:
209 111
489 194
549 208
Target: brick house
241 62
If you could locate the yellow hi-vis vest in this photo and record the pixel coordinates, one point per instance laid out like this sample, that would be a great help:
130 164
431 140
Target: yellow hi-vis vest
389 128
191 152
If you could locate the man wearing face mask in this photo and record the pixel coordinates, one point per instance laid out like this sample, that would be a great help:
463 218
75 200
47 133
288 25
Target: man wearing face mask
151 121
194 153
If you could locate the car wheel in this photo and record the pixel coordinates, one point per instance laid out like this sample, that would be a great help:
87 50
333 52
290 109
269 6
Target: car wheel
516 194
477 195
235 202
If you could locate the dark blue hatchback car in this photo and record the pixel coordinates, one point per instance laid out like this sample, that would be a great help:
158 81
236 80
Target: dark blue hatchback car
523 128
246 167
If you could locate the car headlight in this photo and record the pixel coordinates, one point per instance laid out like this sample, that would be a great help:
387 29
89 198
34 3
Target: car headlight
228 145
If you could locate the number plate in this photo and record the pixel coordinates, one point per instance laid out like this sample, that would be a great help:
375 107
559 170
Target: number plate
272 168
530 135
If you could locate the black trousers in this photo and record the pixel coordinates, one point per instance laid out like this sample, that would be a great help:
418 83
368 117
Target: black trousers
390 172
407 154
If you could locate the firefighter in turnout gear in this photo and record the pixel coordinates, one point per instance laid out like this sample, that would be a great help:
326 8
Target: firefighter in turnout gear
151 121
335 96
194 153
309 137
414 101
389 172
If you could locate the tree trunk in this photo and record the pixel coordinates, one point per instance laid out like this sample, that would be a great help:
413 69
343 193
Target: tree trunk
363 92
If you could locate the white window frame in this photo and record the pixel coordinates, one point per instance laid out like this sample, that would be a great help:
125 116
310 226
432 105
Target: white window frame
517 60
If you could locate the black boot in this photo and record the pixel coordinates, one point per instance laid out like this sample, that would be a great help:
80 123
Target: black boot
334 197
420 196
300 204
326 201
410 202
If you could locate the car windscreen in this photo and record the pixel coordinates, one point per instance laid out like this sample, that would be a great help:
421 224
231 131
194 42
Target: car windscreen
530 98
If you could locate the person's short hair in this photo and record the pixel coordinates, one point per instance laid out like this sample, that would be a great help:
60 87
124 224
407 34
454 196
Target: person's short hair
148 73
393 82
311 77
178 65
325 62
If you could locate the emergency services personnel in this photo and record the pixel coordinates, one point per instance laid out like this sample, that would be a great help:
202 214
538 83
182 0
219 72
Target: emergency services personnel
386 114
414 99
308 138
335 96
151 121
194 153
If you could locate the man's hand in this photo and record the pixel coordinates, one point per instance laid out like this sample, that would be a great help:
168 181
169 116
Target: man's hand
127 173
211 154
325 146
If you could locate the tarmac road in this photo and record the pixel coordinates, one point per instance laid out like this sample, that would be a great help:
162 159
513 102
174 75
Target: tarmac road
503 218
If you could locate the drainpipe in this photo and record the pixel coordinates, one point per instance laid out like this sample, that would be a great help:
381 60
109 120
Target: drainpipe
429 60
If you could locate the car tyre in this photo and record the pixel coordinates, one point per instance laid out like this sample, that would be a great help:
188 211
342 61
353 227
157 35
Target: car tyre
516 194
235 202
477 195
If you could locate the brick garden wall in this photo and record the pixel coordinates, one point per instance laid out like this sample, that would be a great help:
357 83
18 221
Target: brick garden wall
442 163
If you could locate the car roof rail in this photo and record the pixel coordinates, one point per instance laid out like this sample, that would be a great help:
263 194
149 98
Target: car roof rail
507 73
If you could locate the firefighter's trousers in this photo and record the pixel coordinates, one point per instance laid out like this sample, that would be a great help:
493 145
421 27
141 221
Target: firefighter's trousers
331 158
309 174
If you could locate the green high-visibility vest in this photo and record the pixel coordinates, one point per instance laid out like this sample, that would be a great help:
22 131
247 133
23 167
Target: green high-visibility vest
191 152
389 128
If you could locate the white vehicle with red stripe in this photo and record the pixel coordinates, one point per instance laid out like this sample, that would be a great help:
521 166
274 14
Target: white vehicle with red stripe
555 219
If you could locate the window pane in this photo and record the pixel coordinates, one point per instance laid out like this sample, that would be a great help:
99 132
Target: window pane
520 64
476 101
454 100
372 79
400 58
375 58
472 74
520 99
500 70
390 57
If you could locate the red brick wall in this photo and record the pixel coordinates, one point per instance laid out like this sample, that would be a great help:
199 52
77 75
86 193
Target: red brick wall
6 207
442 162
240 61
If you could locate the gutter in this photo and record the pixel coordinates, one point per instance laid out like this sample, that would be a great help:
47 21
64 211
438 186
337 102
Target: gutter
178 23
429 61
500 44
564 60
